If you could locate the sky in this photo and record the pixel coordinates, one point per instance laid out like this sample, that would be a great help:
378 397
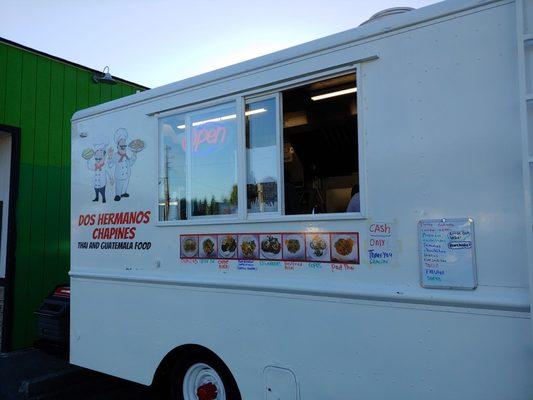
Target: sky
155 42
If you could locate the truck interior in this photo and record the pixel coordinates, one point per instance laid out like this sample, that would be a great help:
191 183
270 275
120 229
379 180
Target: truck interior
320 147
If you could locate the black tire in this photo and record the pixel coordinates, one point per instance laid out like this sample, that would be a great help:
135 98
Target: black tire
182 365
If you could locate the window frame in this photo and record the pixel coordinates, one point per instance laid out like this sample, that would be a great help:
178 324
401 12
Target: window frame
241 99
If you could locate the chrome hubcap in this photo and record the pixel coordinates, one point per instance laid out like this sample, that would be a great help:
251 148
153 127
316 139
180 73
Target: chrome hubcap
201 382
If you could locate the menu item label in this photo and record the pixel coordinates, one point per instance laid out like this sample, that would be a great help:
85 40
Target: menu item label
447 253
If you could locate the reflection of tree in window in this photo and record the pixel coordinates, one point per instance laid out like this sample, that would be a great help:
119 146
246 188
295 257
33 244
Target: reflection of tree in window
261 156
214 161
214 206
172 183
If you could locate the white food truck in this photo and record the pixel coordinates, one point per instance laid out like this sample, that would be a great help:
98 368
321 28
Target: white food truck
345 219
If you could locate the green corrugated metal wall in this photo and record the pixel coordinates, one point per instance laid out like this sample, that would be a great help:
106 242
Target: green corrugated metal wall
39 95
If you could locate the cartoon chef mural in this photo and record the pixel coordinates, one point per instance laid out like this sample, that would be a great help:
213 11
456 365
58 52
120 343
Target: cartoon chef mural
123 160
96 161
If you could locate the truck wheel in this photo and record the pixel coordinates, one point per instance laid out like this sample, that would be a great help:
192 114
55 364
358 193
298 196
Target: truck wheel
203 378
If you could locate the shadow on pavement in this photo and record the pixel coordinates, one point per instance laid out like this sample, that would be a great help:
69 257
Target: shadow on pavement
34 374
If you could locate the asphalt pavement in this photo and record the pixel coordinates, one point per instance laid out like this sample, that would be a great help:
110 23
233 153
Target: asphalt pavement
35 374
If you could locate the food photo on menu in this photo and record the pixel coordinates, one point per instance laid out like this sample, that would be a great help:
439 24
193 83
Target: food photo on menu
249 247
345 247
293 246
318 247
271 246
227 246
208 246
189 246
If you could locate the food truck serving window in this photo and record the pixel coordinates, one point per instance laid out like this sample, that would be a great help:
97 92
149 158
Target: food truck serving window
298 158
320 162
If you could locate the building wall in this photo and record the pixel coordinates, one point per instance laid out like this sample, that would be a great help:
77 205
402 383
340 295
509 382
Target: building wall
39 95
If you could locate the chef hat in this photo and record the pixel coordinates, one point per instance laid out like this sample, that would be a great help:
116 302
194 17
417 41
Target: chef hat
120 133
100 146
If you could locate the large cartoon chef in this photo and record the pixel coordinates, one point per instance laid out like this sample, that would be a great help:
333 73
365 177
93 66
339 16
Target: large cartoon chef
123 160
96 161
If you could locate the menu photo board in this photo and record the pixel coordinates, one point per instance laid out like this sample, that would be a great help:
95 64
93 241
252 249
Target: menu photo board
312 247
447 253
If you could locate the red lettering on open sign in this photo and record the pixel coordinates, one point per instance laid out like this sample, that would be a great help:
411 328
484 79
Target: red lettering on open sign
213 136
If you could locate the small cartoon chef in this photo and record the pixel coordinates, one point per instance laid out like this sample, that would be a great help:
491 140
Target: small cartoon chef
101 171
122 163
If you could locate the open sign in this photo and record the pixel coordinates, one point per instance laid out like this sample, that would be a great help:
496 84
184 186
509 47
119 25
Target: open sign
206 139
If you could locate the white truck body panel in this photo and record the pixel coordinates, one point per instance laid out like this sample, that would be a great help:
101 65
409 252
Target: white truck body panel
439 123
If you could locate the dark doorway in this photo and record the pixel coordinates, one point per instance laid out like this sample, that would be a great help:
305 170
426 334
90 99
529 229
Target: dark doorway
9 179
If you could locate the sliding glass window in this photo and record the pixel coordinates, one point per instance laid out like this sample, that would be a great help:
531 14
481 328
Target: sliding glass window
198 164
213 161
172 169
262 156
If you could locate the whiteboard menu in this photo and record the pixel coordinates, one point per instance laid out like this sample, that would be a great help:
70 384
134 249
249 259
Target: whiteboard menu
447 253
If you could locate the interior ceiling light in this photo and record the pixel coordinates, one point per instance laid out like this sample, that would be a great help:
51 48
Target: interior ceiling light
256 111
333 94
104 77
224 118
